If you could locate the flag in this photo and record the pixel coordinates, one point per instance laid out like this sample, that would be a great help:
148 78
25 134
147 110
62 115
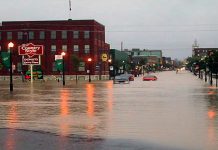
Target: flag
59 64
70 4
6 59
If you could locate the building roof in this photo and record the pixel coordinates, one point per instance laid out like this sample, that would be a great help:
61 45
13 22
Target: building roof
206 49
11 25
50 21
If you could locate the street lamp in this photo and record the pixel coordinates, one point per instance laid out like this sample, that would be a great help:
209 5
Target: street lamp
124 67
203 60
63 54
110 67
211 67
109 60
89 61
10 46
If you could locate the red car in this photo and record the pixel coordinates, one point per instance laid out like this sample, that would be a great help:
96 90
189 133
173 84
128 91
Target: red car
149 78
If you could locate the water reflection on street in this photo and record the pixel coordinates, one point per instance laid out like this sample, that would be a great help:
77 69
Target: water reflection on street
177 110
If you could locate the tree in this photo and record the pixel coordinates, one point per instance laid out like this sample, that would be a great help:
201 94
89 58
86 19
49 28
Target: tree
213 62
191 61
1 66
76 62
143 61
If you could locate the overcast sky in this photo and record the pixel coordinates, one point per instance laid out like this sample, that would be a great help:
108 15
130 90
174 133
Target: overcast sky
168 25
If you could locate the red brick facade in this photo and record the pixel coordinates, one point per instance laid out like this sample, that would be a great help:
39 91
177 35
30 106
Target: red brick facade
83 38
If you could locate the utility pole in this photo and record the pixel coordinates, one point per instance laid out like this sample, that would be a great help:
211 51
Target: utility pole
70 9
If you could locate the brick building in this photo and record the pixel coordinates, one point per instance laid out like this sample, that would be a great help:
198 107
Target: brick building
82 38
200 52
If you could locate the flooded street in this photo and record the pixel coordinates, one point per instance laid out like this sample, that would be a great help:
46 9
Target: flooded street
178 111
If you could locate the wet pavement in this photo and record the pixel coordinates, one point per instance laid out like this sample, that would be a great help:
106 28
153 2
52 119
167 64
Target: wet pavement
176 112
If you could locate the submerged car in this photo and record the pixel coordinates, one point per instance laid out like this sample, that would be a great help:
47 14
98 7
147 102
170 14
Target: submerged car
121 79
149 78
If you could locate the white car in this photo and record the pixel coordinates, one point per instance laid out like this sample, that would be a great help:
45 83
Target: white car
121 79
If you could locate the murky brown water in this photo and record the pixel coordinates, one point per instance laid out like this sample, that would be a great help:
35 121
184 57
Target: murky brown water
177 110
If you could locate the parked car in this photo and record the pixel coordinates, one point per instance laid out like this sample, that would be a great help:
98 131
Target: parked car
129 76
121 79
149 78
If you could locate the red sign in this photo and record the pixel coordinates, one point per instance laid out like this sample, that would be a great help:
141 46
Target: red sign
30 49
34 60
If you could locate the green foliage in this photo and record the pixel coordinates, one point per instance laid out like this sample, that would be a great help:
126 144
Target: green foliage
76 62
1 66
192 60
143 61
215 56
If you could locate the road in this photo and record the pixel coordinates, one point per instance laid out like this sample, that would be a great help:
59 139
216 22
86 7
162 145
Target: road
176 112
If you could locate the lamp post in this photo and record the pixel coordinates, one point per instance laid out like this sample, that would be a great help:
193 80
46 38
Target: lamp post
211 67
124 67
63 54
89 61
109 62
10 46
205 78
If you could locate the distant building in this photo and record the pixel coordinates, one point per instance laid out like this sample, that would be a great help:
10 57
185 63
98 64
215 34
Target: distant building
120 62
152 56
195 45
166 61
200 52
83 38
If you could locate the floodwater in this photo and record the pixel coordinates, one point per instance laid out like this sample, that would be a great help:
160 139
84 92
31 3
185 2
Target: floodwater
178 111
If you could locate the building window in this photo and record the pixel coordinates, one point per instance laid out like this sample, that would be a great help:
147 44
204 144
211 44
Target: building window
31 35
19 35
53 48
64 34
53 35
87 49
54 67
64 48
75 34
42 35
9 35
86 34
75 48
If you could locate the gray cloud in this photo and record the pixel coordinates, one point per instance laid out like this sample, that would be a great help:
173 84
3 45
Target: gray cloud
170 25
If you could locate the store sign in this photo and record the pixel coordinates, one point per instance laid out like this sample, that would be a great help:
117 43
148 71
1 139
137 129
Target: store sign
30 49
34 60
